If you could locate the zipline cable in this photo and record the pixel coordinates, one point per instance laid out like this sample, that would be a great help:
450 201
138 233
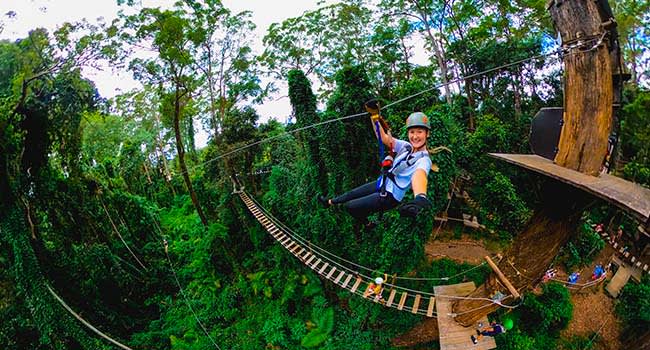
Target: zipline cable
120 236
518 62
84 322
178 283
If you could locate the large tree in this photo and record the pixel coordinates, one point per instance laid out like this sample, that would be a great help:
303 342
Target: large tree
42 99
171 37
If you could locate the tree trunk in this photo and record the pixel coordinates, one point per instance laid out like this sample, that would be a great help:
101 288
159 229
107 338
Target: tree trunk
588 93
166 174
583 145
469 87
533 249
181 158
442 63
438 52
213 103
516 83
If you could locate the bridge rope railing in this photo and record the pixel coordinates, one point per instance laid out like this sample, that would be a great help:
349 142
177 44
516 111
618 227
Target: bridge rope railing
346 277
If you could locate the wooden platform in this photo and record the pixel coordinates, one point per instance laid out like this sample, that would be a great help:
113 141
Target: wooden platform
453 336
619 280
627 195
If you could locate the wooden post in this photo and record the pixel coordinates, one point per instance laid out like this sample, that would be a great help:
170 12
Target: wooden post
588 91
502 278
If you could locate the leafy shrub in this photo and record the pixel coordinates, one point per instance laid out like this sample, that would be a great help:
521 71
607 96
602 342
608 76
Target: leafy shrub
583 248
633 306
549 312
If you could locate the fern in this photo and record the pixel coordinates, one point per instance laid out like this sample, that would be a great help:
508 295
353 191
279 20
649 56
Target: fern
320 334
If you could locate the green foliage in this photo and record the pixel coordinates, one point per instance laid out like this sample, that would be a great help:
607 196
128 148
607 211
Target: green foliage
73 176
633 306
319 42
43 318
304 105
498 195
548 313
516 340
583 247
356 145
324 326
634 144
580 342
539 320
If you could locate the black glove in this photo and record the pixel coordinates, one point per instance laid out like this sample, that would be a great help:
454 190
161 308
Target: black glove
414 207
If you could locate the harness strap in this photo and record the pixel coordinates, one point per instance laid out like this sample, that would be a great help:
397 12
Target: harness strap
404 160
381 182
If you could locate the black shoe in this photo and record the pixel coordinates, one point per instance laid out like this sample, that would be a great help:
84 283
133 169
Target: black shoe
324 201
477 332
474 340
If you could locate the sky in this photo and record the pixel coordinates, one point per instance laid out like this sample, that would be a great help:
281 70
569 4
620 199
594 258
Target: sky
30 14
50 14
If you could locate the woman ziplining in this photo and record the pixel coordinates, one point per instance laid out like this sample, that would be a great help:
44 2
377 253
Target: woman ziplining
407 165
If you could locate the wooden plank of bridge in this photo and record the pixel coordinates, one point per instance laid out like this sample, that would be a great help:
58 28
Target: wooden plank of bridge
338 278
315 264
311 259
453 336
416 304
347 280
432 302
631 197
356 285
402 300
329 274
322 269
391 297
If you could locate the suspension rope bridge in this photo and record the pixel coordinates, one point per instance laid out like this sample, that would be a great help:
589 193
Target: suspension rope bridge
322 261
346 274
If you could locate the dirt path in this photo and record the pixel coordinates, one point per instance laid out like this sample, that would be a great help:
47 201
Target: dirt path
593 311
424 332
463 250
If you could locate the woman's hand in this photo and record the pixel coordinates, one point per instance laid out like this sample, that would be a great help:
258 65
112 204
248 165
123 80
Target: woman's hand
414 207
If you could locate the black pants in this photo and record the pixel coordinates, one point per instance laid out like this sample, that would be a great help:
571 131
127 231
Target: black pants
365 200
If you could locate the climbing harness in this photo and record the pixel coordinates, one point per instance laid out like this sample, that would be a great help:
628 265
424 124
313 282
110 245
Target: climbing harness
405 159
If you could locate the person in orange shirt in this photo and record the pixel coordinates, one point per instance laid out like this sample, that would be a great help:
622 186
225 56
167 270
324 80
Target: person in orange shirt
375 289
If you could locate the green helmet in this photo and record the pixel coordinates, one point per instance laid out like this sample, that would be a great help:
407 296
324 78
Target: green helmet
418 119
507 324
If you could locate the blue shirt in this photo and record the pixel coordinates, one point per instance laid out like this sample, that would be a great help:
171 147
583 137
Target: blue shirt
404 166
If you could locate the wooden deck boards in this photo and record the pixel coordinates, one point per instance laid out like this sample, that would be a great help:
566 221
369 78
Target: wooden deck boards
453 336
620 279
627 195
